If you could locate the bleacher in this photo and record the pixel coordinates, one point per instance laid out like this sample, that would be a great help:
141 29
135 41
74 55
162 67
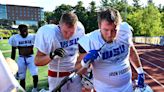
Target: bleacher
149 40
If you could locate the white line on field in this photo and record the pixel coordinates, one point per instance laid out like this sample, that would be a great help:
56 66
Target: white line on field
152 63
153 57
158 54
155 80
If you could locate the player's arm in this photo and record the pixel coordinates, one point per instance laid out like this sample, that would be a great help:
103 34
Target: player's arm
41 59
82 53
135 60
13 52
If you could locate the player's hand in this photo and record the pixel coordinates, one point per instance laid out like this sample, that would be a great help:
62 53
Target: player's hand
141 78
90 57
58 52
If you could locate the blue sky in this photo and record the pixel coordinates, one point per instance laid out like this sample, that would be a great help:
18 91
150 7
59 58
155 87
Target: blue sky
49 5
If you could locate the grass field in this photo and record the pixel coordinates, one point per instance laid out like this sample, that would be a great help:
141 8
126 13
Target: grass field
5 47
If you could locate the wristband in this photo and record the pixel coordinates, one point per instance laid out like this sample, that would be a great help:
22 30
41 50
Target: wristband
84 64
139 70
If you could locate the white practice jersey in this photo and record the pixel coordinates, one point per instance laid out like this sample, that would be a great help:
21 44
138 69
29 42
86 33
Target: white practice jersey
17 40
49 38
113 56
8 82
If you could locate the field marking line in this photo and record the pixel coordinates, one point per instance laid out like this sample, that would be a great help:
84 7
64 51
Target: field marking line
154 79
152 63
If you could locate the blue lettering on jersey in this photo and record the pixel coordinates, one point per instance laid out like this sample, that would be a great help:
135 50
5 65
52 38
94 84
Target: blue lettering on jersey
107 54
116 51
113 52
69 43
25 42
122 48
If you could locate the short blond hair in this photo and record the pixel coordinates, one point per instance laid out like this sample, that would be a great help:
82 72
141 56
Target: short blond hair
69 18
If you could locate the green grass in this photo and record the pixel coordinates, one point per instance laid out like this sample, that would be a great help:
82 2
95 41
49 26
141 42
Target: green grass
4 45
43 82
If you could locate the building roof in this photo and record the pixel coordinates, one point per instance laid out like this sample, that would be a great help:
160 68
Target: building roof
22 6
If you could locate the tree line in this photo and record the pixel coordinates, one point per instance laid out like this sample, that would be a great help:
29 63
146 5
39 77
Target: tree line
145 20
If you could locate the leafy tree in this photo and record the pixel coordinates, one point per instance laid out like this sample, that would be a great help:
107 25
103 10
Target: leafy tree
152 20
60 10
150 1
135 20
146 21
136 3
121 5
48 16
81 13
160 8
92 18
104 3
162 20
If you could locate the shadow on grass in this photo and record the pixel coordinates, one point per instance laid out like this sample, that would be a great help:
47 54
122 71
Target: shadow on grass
43 83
